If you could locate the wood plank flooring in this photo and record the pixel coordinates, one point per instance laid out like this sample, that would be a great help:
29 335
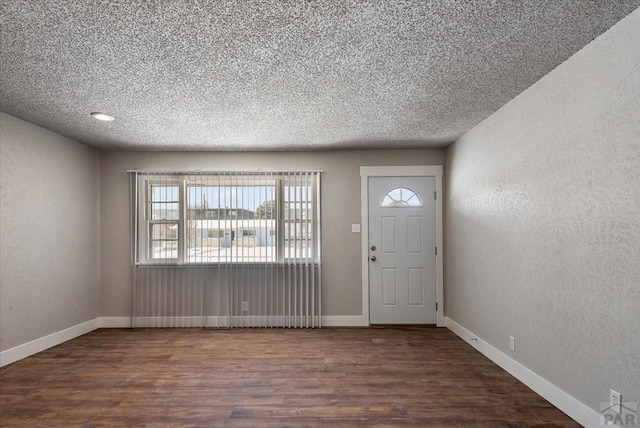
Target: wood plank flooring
267 378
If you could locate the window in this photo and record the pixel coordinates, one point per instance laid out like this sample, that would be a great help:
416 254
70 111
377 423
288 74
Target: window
401 197
228 217
163 213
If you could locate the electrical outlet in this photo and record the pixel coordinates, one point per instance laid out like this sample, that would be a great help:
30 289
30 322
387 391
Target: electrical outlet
512 343
245 306
615 401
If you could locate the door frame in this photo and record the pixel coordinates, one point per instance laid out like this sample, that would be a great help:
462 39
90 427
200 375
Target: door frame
435 171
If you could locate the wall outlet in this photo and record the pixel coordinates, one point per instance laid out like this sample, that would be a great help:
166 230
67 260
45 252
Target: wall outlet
512 343
615 401
245 306
355 228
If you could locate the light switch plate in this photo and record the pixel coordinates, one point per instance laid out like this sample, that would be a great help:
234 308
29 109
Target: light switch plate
355 228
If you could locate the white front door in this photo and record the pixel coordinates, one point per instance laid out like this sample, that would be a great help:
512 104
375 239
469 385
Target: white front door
402 242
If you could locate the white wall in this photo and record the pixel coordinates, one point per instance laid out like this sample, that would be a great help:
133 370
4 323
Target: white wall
341 270
542 237
49 232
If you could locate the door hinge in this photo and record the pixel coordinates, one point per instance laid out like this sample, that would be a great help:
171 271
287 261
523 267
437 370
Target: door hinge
435 195
436 306
436 251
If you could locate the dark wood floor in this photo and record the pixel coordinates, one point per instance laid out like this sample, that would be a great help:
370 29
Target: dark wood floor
261 378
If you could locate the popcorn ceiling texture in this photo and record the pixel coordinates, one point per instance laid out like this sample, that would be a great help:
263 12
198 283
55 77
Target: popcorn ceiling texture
281 75
543 223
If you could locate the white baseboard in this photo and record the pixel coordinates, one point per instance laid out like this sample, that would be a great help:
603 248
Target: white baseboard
223 321
345 321
571 406
327 321
25 350
115 322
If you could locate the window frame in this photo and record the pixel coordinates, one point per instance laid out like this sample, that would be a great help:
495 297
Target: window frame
280 180
149 221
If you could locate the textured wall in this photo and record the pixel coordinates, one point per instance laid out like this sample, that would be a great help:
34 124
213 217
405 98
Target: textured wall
543 222
341 271
49 227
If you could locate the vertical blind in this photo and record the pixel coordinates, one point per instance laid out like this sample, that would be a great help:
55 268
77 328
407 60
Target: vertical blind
225 249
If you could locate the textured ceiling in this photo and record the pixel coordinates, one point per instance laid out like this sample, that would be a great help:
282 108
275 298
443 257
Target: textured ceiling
281 75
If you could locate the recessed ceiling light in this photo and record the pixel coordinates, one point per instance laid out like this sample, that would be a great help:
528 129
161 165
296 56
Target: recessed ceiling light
102 116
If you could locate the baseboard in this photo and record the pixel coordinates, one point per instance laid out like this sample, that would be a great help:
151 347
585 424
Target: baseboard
344 321
115 322
38 345
327 321
23 351
571 406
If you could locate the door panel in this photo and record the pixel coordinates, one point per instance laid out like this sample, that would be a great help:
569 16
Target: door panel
389 237
415 234
389 287
402 267
416 282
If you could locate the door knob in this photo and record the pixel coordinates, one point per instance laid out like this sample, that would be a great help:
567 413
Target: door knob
373 258
373 248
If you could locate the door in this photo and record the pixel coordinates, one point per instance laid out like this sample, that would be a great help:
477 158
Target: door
402 245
